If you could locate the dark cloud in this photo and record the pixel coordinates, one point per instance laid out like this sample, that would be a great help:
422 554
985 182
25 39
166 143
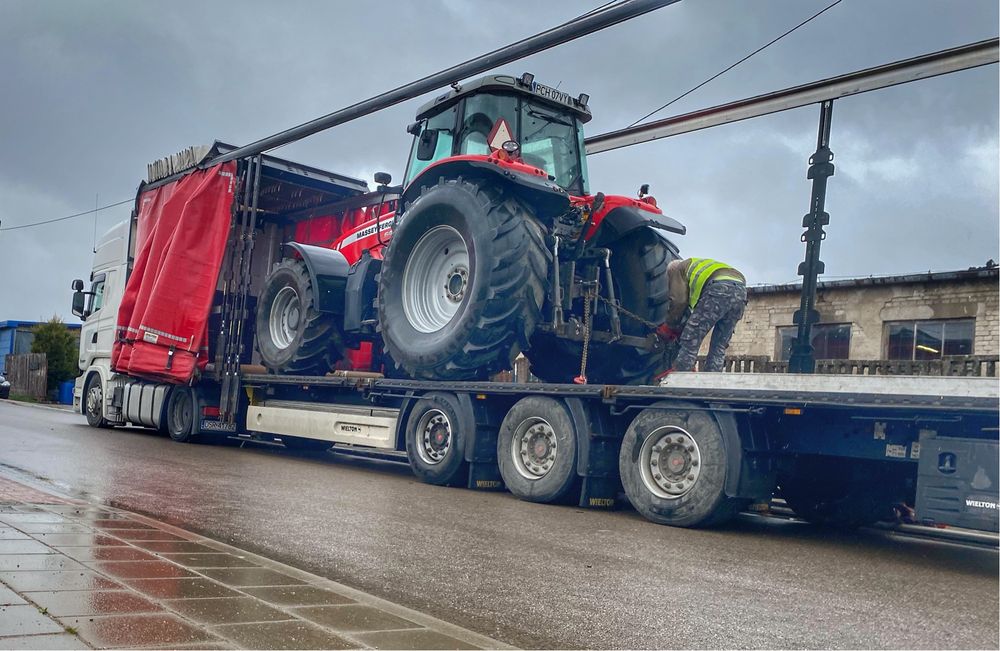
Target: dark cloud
92 91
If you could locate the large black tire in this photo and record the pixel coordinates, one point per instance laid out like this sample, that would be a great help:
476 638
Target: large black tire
182 414
463 282
839 493
293 337
93 402
536 450
690 442
639 269
436 431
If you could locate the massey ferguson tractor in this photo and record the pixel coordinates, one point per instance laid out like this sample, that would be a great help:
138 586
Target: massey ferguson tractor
492 246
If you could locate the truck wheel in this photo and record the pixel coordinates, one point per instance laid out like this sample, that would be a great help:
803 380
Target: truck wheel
639 269
181 414
536 449
841 495
673 468
435 439
293 337
93 400
463 282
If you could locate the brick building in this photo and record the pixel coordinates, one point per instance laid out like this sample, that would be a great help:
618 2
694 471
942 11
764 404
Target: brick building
917 317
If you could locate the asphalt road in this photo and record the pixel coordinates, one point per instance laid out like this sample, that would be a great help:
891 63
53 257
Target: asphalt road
530 575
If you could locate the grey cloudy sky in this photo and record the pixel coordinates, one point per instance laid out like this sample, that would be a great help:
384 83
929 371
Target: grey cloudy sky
91 91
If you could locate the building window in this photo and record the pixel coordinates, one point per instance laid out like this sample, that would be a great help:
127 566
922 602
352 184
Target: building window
829 341
916 340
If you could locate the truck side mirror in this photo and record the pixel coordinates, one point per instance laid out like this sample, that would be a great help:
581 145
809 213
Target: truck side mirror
79 300
427 145
77 285
383 178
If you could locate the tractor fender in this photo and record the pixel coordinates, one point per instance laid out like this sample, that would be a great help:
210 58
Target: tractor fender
547 198
621 221
328 270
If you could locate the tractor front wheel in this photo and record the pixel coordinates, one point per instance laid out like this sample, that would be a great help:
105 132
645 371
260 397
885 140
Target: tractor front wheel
293 337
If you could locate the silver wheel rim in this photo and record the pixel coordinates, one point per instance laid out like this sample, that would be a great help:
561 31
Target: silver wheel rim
533 448
283 321
435 279
669 462
94 399
434 437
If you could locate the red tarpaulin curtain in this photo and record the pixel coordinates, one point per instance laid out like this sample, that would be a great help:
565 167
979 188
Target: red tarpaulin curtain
180 241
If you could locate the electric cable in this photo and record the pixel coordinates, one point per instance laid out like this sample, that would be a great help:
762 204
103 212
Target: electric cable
59 219
724 71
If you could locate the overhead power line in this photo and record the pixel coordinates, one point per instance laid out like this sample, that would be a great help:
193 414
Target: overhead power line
60 219
724 71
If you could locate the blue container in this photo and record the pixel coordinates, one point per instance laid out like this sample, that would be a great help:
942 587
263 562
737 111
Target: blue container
66 392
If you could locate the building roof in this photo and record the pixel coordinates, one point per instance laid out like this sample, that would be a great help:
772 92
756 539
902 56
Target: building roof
988 272
29 324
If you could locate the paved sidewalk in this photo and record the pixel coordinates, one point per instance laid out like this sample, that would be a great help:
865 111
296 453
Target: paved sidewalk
76 576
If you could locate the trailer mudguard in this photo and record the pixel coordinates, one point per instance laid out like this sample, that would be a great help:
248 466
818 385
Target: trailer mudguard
547 198
747 476
622 220
328 270
597 447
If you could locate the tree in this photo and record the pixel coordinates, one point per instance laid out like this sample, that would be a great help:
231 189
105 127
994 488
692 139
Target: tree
61 350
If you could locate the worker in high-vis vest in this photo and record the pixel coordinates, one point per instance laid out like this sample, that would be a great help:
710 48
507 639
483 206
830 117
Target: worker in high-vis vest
713 296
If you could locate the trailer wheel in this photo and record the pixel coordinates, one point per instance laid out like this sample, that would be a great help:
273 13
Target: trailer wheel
639 269
463 282
181 408
293 337
673 468
536 449
93 401
838 494
435 439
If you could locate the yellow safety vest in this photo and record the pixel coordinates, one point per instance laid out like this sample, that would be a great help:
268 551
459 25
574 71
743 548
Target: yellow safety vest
698 273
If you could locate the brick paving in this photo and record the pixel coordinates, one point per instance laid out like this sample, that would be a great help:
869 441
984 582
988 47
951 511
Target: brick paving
75 576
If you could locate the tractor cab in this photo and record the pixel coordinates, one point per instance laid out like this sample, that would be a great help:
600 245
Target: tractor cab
477 118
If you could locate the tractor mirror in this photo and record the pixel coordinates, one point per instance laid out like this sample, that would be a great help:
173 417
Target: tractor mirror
427 145
79 299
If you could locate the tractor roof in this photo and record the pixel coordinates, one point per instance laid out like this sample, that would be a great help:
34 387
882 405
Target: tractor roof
524 85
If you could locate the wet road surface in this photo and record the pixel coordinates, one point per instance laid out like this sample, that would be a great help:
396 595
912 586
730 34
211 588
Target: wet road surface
530 575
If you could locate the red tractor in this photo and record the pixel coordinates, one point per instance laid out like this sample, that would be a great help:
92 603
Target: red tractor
493 246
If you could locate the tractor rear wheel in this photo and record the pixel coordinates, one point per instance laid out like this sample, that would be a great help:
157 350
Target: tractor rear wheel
293 337
463 282
639 270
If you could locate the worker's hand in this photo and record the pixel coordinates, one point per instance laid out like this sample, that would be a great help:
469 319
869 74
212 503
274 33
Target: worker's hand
667 333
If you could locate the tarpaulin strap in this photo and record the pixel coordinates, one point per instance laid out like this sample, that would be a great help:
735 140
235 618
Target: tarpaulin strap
170 357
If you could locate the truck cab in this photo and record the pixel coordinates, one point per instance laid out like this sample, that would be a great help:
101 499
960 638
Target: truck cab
97 307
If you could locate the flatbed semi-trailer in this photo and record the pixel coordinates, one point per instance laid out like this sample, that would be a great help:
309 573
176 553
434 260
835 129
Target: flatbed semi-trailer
841 449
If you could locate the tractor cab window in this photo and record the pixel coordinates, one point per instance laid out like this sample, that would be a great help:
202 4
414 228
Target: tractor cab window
480 114
434 142
553 141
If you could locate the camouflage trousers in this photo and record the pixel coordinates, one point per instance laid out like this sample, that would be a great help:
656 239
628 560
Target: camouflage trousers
719 309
